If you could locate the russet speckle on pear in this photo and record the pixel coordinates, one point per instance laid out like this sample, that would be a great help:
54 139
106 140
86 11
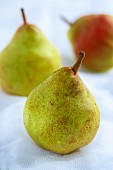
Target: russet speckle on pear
60 114
27 60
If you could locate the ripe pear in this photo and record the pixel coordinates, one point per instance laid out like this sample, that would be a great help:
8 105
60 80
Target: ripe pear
27 60
93 34
61 114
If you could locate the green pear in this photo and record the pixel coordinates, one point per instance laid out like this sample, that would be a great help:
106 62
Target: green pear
61 114
27 60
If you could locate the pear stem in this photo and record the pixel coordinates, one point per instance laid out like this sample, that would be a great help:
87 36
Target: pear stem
65 20
23 16
78 62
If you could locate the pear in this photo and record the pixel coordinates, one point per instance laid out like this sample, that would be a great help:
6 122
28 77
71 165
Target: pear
93 34
27 60
61 114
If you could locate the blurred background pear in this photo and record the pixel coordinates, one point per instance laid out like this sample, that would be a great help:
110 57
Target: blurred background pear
94 35
27 60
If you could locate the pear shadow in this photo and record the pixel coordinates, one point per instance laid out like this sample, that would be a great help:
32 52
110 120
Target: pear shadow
72 153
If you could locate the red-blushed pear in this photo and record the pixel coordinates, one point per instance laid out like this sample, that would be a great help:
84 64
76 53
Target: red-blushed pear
27 60
93 34
61 115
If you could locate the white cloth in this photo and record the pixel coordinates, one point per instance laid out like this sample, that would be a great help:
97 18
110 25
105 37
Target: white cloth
19 152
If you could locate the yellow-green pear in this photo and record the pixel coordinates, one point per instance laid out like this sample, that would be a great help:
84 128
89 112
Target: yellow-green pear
61 115
27 60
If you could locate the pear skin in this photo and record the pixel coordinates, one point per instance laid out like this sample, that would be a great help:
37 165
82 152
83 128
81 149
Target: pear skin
94 34
27 60
61 115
